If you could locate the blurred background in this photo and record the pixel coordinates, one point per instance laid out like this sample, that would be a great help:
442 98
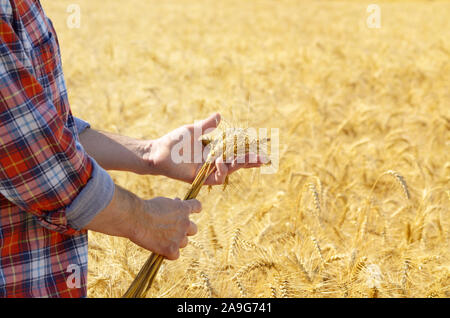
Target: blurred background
361 95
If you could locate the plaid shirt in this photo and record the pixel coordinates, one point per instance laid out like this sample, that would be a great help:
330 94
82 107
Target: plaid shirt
49 186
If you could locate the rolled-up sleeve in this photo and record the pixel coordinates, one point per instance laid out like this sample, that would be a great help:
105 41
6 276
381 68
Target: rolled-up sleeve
43 168
93 198
81 124
86 205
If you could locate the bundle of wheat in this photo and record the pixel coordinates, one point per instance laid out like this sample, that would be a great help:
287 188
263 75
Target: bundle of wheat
231 144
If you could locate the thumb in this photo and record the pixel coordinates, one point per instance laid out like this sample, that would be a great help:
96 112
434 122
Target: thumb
209 123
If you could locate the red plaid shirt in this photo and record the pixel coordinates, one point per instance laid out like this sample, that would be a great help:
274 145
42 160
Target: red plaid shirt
43 167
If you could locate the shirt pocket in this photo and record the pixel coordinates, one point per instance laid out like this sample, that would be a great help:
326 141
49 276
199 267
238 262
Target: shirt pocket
44 57
47 67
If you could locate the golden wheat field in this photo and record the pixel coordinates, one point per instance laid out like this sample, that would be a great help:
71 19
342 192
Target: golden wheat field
359 206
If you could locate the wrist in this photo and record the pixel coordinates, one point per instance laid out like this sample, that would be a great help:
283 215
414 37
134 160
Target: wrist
135 211
122 217
145 152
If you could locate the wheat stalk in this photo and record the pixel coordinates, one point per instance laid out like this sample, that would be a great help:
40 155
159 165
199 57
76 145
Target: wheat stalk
241 288
405 275
234 243
357 268
220 146
207 284
213 238
318 249
273 291
284 287
253 266
400 180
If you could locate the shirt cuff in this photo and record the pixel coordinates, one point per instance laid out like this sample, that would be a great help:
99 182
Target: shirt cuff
81 124
93 198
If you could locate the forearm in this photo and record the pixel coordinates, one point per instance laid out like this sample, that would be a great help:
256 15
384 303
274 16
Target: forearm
115 152
160 225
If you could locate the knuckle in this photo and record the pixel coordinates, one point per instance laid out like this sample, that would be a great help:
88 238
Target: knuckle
185 223
182 206
196 205
186 207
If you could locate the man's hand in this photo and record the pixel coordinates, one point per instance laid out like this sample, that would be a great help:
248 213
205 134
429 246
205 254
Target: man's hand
165 226
160 225
158 154
154 157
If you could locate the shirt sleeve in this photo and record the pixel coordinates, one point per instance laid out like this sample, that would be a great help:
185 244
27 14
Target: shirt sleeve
43 168
81 125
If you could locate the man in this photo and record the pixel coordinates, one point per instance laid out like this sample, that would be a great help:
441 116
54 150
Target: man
53 180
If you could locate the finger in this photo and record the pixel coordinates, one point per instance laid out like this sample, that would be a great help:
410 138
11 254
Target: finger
219 176
193 205
209 123
213 180
192 229
221 167
221 171
184 242
224 169
233 167
173 253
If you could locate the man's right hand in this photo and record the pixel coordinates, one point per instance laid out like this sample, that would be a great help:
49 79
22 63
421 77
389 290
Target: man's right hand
164 226
160 225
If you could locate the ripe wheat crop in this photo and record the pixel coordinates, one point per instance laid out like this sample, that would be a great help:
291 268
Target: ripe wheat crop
359 206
